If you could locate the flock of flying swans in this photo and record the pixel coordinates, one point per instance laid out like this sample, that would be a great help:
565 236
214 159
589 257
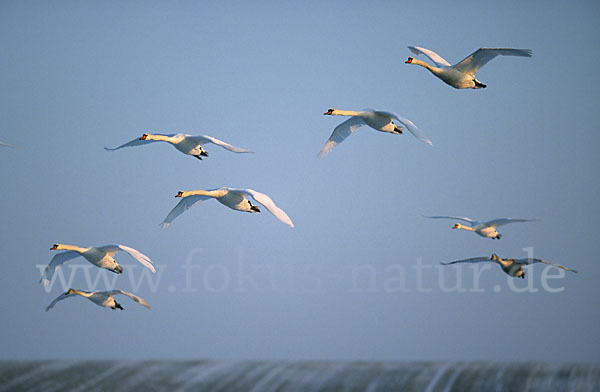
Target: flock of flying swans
460 76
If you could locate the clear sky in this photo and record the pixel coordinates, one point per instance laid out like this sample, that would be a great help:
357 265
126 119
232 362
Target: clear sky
359 275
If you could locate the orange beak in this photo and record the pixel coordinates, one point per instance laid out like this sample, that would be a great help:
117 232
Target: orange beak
143 137
54 247
179 194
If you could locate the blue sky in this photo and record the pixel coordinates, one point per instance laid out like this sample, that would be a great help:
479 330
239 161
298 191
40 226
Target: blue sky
80 76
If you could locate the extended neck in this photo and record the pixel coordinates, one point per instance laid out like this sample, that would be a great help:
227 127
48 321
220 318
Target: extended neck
201 192
504 262
72 248
162 138
337 112
82 293
433 69
459 226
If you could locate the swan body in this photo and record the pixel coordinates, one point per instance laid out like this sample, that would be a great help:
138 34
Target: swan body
236 199
380 121
462 75
512 267
187 144
99 256
484 229
100 298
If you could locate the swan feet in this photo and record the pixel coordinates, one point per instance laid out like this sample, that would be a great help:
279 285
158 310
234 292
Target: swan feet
497 237
198 156
117 306
478 84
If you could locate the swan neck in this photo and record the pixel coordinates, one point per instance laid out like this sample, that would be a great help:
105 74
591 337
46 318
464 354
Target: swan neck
196 193
337 112
81 293
459 226
162 138
73 248
431 68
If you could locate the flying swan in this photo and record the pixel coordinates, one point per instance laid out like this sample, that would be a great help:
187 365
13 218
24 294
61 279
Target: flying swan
100 298
484 229
187 144
101 257
6 145
512 267
462 75
235 199
379 121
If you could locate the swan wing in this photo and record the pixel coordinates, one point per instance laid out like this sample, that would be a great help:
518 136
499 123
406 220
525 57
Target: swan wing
471 260
136 254
134 297
269 205
56 262
503 221
480 57
436 58
57 299
6 145
534 260
462 218
185 204
203 139
340 133
137 142
412 128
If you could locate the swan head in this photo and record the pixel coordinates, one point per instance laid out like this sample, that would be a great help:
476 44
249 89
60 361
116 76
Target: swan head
55 246
329 112
494 257
456 226
180 194
409 61
70 291
144 136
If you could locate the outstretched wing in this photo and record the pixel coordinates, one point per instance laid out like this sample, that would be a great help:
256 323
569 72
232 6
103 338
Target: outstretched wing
534 260
203 139
503 221
6 145
436 58
481 57
185 204
340 133
270 205
57 299
136 142
412 128
56 262
462 218
136 254
134 297
471 260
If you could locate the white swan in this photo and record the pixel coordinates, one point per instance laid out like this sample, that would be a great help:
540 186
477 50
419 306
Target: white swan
235 199
512 267
187 144
99 256
462 75
378 120
100 298
484 229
